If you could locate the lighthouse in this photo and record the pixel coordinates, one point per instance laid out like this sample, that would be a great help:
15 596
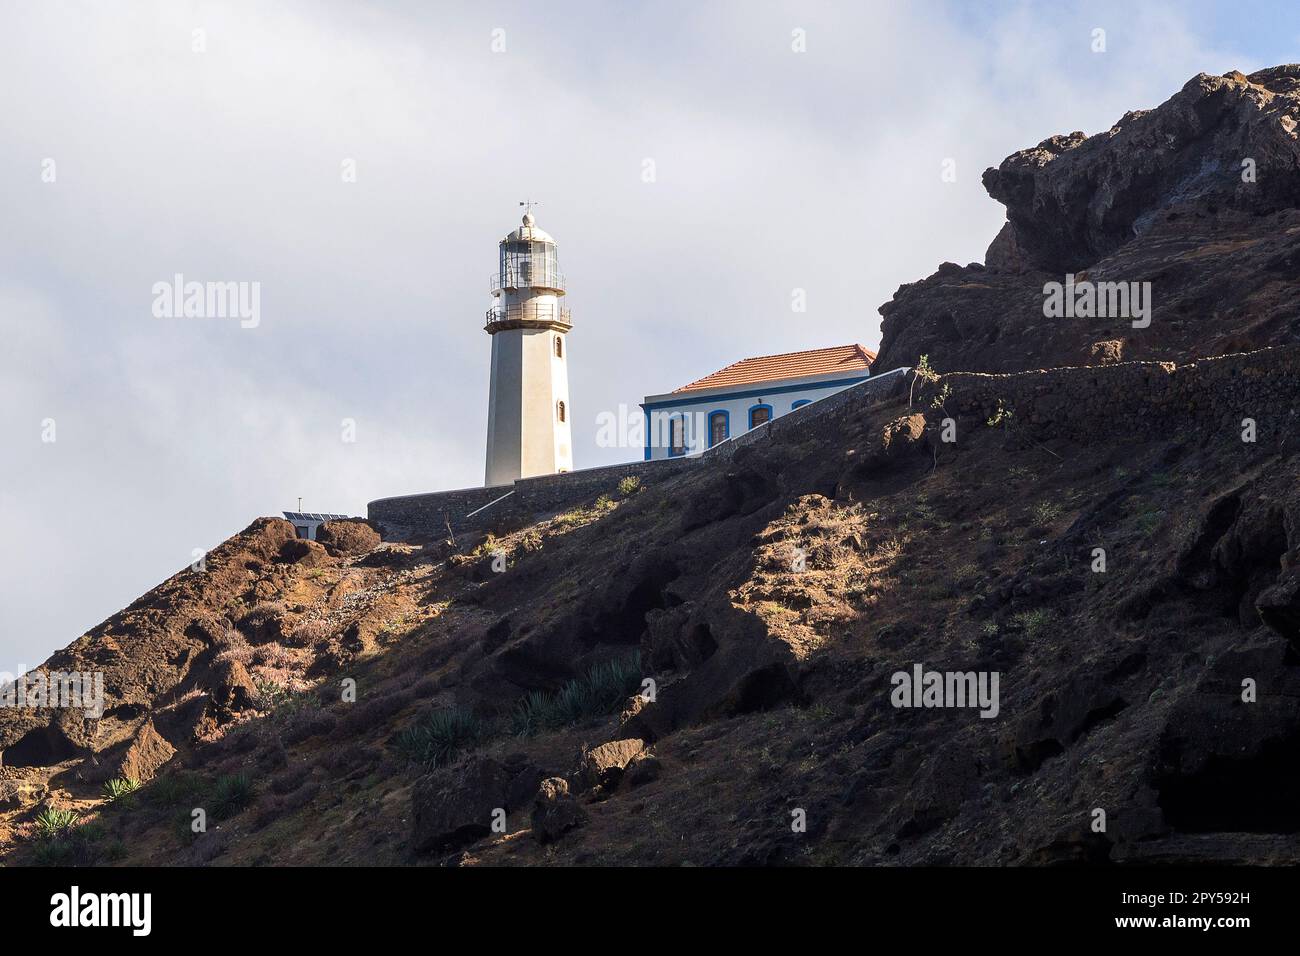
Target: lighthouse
528 429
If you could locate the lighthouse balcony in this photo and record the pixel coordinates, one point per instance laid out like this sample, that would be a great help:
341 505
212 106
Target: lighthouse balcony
527 314
527 279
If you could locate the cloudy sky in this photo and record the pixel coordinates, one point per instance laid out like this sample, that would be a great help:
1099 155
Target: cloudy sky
133 148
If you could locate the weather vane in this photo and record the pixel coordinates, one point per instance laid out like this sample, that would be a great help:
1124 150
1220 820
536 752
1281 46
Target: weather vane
528 205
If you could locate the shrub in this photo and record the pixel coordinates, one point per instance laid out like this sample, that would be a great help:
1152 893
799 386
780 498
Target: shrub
890 548
120 789
280 698
572 518
307 633
171 789
629 485
1001 417
77 846
306 722
1034 622
1149 521
269 694
604 503
347 761
276 655
364 716
821 711
235 647
52 822
1045 512
436 737
602 690
290 780
921 373
183 826
230 794
531 540
55 853
530 714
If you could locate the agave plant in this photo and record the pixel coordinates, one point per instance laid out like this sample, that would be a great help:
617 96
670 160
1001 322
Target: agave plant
116 789
602 690
53 822
230 794
435 738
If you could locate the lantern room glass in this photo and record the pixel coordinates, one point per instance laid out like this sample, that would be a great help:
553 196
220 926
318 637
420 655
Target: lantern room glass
525 263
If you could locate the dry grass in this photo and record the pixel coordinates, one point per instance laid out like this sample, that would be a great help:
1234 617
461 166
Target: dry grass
310 632
235 647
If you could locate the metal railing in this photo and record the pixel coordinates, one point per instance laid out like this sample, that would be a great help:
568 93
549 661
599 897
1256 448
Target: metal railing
529 312
527 279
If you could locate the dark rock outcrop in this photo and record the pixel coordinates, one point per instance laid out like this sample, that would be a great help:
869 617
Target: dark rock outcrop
555 811
603 766
455 805
139 759
1220 143
1197 197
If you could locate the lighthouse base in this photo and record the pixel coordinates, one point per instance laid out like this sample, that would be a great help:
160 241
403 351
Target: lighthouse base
528 429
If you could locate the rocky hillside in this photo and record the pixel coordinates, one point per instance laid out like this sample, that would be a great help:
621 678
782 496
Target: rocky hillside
1197 197
703 670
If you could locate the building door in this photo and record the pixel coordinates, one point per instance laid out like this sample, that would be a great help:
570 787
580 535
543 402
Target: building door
758 415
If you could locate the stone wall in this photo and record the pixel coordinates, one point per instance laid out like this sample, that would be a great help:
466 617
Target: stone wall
1142 399
471 509
434 513
1136 398
430 513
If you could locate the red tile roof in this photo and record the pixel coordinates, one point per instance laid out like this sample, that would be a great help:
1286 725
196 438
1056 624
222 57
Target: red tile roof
767 368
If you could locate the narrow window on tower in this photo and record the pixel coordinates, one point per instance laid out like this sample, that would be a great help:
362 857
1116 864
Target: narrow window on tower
559 410
559 347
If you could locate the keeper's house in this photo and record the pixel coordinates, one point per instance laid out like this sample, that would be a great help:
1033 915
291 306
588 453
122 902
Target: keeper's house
746 394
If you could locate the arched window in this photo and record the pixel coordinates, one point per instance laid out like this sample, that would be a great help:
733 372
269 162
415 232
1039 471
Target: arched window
559 347
677 436
719 427
800 404
759 414
559 410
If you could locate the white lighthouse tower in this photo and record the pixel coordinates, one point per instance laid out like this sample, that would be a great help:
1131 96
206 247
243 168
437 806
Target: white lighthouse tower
528 400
